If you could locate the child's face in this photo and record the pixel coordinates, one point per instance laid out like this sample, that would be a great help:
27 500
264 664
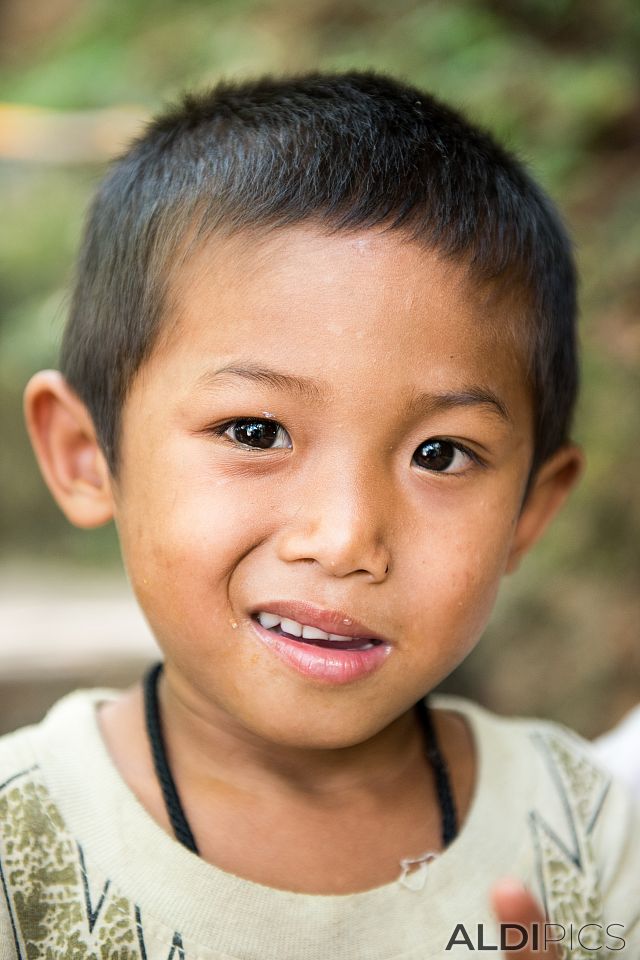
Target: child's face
350 480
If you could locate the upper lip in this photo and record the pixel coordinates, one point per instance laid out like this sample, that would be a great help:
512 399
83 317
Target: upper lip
331 621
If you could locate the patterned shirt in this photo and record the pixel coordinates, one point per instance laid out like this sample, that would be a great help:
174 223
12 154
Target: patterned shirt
87 874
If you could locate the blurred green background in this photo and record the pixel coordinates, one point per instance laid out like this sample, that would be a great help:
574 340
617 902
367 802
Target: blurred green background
556 79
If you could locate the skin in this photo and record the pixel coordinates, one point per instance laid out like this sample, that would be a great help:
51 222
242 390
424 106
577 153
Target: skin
340 514
513 904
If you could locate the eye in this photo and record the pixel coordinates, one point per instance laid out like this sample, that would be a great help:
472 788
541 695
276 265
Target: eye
444 456
256 434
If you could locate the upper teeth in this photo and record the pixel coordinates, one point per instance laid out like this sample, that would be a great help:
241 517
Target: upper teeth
270 620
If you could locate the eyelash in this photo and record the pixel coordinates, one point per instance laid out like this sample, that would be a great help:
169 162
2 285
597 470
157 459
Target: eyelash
221 431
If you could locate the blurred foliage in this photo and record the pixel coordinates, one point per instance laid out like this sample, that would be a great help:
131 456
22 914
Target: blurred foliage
556 79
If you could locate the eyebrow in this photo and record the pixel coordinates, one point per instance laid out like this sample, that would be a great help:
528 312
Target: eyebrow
471 396
307 388
314 390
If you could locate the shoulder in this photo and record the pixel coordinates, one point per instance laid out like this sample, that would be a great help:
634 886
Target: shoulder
583 823
542 743
23 749
34 840
555 765
18 767
31 755
16 755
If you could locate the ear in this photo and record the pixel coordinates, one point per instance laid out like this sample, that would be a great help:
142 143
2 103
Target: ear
64 441
551 486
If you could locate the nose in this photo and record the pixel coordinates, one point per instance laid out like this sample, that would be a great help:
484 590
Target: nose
340 523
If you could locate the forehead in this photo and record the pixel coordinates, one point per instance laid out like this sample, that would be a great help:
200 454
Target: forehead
370 307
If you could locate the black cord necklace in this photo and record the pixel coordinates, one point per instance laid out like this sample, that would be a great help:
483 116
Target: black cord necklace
179 822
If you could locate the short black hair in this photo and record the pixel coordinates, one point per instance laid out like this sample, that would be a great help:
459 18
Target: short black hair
345 150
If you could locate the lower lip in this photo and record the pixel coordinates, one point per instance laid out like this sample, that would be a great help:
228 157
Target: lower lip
331 665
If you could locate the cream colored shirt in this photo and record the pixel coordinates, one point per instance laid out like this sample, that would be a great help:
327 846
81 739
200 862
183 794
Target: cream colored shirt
87 873
619 750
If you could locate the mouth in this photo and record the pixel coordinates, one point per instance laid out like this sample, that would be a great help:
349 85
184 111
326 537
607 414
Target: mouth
308 634
327 646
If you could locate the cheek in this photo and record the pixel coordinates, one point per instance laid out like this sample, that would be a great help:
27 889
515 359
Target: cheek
457 574
182 541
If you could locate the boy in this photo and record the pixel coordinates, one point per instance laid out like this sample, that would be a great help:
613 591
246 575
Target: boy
320 369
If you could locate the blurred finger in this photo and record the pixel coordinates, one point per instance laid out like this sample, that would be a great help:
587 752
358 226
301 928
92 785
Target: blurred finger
522 921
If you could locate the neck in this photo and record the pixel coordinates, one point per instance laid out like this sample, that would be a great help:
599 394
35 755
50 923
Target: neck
207 748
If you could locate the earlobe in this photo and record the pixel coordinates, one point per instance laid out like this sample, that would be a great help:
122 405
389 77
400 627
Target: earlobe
66 448
553 483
